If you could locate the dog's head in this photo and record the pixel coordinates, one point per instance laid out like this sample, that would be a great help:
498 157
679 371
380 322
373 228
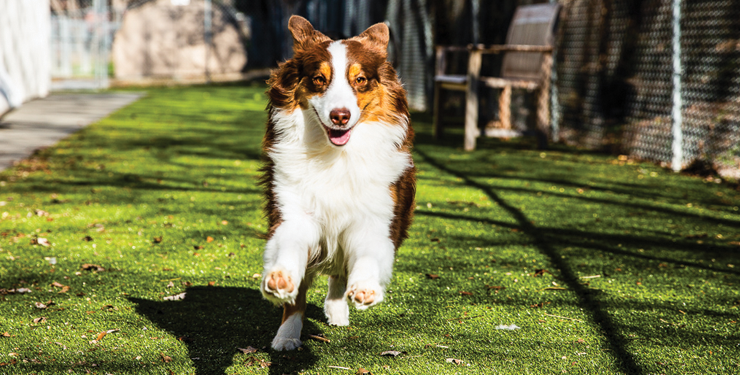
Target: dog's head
338 84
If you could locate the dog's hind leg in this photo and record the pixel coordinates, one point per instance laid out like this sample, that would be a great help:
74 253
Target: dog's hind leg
288 336
335 305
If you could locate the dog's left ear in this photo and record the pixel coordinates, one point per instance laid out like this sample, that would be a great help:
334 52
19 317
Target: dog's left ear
377 35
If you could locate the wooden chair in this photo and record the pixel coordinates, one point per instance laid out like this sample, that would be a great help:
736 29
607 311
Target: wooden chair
526 65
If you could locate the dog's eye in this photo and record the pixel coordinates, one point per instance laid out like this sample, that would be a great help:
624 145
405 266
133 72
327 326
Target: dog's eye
360 80
319 80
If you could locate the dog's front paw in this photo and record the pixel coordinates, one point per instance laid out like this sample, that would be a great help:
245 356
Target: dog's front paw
280 343
279 286
364 294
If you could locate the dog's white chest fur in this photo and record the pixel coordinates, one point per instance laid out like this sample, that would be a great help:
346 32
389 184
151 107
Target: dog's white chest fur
335 188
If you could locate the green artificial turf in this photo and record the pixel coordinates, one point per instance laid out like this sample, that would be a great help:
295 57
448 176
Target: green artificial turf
608 266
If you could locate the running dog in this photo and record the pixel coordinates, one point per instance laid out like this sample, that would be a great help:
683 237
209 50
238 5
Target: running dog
338 176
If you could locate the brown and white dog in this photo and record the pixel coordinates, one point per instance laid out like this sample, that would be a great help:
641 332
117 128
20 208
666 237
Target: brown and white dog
338 175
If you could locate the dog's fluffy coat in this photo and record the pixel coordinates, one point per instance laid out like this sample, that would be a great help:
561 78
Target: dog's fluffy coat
338 175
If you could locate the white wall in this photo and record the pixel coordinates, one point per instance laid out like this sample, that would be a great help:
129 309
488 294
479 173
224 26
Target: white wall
25 68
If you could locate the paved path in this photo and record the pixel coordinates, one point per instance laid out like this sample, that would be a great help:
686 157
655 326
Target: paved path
43 122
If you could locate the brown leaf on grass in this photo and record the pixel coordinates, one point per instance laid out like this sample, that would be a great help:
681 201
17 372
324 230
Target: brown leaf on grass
57 284
5 334
198 247
211 283
92 267
64 289
495 287
157 239
392 353
454 360
540 272
40 305
176 297
165 358
248 350
540 305
209 239
736 243
224 222
40 320
41 213
170 284
362 371
435 239
466 293
432 276
40 241
87 239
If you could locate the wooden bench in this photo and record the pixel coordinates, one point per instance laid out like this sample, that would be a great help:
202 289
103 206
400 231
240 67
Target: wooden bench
527 62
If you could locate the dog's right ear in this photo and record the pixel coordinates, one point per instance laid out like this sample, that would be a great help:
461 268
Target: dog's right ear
303 33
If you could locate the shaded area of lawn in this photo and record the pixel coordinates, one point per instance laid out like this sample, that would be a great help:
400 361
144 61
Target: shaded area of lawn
607 265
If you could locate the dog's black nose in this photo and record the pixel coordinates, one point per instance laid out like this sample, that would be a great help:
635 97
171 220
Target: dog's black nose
339 116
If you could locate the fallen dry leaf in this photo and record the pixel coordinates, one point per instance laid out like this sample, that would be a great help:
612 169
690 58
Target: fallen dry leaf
540 272
454 360
57 284
5 334
248 350
64 289
209 239
166 359
432 276
362 371
92 267
40 320
157 239
390 353
495 287
211 283
176 297
224 222
87 239
40 241
40 305
171 284
466 293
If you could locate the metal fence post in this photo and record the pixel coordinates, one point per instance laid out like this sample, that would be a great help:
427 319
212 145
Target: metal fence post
207 35
677 146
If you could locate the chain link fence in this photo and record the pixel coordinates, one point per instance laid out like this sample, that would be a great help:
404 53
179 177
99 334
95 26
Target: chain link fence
615 80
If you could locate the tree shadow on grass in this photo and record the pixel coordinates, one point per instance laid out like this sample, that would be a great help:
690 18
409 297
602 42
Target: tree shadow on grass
215 321
617 343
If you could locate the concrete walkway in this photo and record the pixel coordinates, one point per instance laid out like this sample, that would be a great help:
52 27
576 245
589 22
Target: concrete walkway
43 122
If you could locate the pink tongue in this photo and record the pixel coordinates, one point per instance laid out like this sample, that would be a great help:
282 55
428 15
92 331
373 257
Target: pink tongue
339 137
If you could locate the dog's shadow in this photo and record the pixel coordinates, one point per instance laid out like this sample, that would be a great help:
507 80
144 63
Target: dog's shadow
215 321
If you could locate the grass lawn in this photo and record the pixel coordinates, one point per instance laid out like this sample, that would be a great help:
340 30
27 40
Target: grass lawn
607 266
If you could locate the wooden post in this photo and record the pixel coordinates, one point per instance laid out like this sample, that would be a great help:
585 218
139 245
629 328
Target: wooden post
471 100
504 107
439 70
543 102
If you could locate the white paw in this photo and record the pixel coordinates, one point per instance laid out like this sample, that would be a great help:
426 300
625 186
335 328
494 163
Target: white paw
278 286
280 344
364 294
337 312
288 336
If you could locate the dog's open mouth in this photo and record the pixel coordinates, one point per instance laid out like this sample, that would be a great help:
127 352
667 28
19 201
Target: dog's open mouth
338 137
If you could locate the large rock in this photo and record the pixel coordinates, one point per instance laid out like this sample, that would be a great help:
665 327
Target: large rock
162 40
